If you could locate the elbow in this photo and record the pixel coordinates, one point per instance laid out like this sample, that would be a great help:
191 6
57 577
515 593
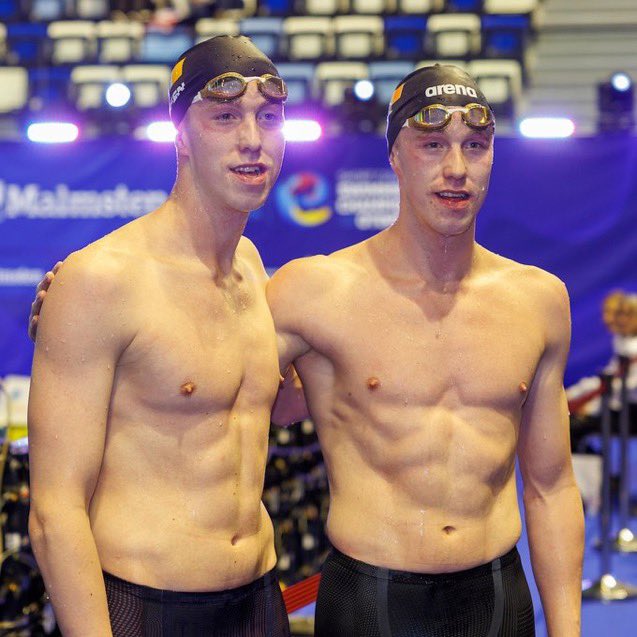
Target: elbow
36 530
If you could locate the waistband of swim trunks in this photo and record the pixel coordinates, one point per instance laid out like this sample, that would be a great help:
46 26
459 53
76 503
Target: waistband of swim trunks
408 577
187 597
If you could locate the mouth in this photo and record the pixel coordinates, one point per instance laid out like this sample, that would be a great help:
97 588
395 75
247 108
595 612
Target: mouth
250 173
453 195
453 198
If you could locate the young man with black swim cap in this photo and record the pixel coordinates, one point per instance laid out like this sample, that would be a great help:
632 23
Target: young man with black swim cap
154 376
429 364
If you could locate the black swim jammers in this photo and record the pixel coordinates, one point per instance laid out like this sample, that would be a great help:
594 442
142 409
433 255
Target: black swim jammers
356 599
252 610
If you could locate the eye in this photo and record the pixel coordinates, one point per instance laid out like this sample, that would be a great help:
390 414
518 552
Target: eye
431 144
477 144
224 116
271 119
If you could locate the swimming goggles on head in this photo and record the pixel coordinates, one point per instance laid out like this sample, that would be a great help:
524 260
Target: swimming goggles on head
437 116
230 86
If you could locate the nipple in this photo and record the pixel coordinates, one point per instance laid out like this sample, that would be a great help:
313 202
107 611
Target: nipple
523 387
187 389
373 383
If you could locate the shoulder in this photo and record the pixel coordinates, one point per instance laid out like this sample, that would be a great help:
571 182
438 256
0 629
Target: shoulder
542 296
316 275
91 289
249 253
100 269
534 286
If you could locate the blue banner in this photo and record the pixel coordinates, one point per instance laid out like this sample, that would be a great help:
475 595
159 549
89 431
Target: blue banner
567 206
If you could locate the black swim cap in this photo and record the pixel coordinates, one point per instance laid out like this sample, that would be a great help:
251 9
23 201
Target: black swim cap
437 84
207 60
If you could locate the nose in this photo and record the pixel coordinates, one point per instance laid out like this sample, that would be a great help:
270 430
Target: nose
454 166
249 135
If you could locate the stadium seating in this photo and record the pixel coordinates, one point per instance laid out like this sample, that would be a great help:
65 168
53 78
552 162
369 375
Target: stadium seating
266 33
453 35
210 27
321 46
334 77
405 36
160 46
72 41
149 84
385 76
299 77
308 38
89 83
47 10
118 42
358 37
15 84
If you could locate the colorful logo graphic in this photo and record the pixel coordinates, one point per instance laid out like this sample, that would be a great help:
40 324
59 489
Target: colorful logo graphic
303 199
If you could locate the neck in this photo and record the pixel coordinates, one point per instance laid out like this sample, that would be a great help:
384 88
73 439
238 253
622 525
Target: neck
201 229
435 257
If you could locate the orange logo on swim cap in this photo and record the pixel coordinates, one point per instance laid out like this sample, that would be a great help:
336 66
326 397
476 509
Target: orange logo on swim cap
396 96
177 70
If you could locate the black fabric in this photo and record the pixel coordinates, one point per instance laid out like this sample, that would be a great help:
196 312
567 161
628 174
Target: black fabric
253 610
438 84
207 60
360 600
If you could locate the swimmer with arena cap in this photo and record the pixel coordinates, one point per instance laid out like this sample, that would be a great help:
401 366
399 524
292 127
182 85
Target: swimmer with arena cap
154 376
429 364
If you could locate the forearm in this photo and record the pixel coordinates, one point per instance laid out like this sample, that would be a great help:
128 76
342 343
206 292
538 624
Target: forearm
555 526
289 406
67 556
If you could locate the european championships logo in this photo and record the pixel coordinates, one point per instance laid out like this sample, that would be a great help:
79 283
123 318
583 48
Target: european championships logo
303 199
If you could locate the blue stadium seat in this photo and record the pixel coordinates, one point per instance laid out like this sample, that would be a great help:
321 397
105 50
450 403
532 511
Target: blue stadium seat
10 10
49 86
385 77
505 36
464 6
266 33
47 10
26 42
161 47
299 77
404 36
277 7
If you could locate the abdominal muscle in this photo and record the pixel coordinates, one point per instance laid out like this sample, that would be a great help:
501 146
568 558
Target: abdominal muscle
178 507
439 496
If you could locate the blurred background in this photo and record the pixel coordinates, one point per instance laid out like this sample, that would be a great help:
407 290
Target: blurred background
86 145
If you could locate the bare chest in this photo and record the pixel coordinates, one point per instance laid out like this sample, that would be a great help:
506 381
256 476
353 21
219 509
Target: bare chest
434 351
203 350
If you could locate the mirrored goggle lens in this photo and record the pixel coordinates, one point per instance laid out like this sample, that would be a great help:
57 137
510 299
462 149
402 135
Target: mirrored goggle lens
274 87
225 88
477 116
432 116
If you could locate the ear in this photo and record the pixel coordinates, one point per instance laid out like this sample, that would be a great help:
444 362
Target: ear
394 161
180 142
